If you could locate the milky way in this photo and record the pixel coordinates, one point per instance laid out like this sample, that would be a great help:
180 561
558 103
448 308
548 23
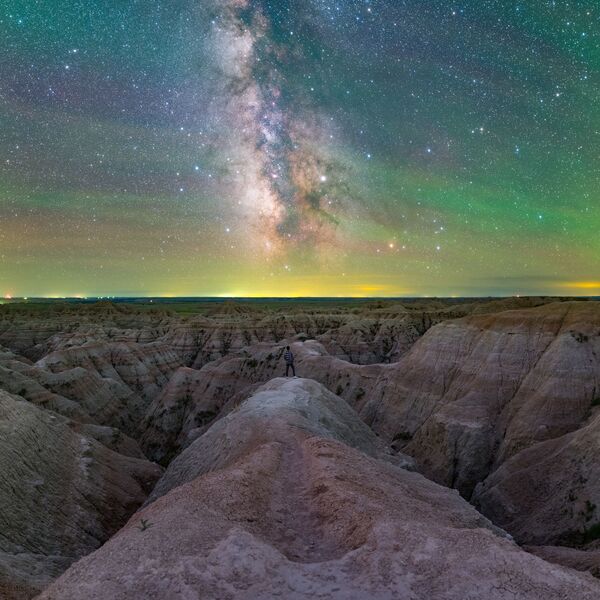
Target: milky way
273 148
254 147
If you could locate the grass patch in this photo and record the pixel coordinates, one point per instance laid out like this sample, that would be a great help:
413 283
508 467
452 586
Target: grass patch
580 337
116 437
144 524
205 416
591 533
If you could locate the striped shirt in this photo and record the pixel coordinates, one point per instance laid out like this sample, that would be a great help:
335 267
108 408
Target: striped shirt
289 357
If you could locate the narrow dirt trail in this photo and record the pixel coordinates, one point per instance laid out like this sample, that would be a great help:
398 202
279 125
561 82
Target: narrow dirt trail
297 527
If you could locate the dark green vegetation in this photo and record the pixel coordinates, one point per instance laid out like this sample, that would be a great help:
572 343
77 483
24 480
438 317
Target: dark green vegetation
209 306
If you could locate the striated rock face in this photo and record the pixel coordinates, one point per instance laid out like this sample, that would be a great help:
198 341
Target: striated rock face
143 368
62 494
504 407
91 384
77 394
360 338
194 398
550 492
34 333
476 391
364 333
468 397
296 500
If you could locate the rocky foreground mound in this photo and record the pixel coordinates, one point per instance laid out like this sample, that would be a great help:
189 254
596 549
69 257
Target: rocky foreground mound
292 496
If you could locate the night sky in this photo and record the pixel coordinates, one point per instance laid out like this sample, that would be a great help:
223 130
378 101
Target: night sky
315 147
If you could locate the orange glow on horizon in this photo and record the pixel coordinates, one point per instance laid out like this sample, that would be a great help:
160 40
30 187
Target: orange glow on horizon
583 285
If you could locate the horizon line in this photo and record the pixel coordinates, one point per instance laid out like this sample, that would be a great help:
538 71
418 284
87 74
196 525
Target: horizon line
233 297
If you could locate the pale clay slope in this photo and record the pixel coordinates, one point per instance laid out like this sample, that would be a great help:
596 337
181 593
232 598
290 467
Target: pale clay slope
300 515
549 493
278 407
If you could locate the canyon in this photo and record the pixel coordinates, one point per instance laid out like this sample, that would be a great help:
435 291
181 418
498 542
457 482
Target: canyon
428 448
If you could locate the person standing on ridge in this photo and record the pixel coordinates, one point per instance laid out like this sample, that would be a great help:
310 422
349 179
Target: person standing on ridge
289 361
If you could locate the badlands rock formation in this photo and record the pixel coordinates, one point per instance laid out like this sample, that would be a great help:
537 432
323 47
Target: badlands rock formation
291 496
194 398
518 386
62 494
498 399
365 332
491 397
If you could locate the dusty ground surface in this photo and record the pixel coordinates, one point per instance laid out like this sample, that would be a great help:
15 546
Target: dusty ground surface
497 399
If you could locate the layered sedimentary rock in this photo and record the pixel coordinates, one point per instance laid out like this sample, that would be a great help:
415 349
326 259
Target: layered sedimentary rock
78 394
506 405
474 392
470 393
550 492
62 494
37 331
500 404
295 499
143 368
367 332
506 399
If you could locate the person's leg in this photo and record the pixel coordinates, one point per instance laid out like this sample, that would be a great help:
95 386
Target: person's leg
287 369
293 370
